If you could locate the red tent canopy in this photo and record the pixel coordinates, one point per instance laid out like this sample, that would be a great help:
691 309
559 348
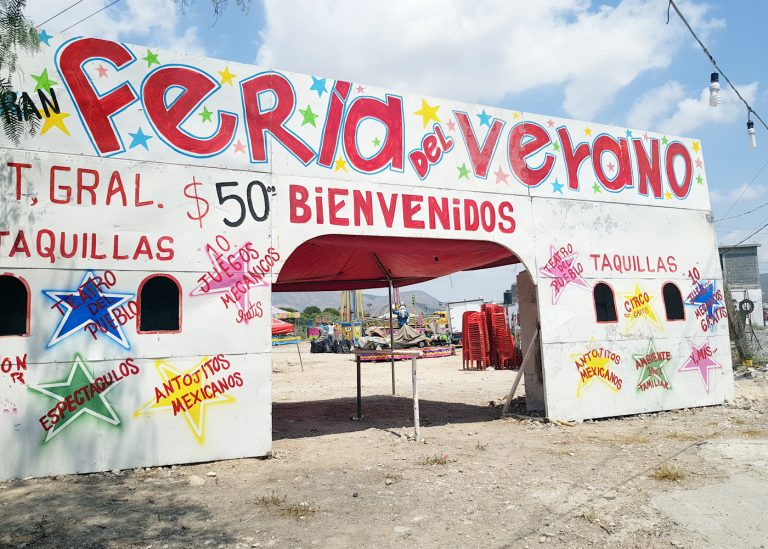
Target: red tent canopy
347 262
280 328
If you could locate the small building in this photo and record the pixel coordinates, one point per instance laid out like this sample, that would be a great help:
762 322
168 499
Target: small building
741 273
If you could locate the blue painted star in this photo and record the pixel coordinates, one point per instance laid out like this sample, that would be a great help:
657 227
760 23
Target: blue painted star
139 139
318 85
628 133
44 37
87 305
485 118
557 187
706 295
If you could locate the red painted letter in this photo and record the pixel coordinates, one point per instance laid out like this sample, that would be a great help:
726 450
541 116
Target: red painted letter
167 120
480 156
258 122
390 114
519 152
96 111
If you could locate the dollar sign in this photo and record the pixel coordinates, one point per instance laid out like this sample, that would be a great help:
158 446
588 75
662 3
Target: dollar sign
190 191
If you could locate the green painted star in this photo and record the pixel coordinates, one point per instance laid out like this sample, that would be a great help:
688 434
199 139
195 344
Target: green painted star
85 396
309 116
463 171
596 188
376 142
699 180
43 82
151 58
206 114
556 146
664 140
652 365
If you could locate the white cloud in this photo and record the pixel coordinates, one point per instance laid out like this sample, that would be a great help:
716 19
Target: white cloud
749 193
155 22
480 51
668 109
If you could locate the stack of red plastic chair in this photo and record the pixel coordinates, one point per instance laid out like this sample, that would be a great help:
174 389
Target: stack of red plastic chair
502 344
474 337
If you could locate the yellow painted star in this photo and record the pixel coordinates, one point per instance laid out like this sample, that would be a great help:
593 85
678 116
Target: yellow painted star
516 115
340 164
54 121
668 195
226 76
179 395
588 131
428 113
696 147
637 305
596 363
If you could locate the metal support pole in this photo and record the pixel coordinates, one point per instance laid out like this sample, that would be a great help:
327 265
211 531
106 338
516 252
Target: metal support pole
391 329
391 339
359 415
416 427
300 361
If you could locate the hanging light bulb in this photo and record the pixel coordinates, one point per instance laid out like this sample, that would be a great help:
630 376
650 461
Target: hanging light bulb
714 90
751 133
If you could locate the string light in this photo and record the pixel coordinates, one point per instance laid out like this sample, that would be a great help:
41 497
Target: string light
751 133
714 90
715 79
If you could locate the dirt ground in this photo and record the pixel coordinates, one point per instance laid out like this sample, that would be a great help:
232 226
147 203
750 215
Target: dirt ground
689 478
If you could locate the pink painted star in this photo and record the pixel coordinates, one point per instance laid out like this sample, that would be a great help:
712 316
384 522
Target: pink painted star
561 267
699 163
645 136
701 360
551 123
451 125
239 147
611 166
360 89
501 176
230 280
102 70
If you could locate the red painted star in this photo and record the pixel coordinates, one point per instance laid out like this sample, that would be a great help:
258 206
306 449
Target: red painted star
360 89
551 123
611 166
501 176
102 70
451 125
239 147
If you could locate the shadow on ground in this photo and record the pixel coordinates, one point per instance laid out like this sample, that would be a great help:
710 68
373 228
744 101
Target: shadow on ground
100 510
324 417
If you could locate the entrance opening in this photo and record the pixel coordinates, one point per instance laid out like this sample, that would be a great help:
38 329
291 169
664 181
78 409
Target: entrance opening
324 401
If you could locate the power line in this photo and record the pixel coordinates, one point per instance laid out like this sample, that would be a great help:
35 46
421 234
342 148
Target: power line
742 194
91 15
55 16
745 239
714 63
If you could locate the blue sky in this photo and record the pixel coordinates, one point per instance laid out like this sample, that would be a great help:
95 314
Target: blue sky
612 62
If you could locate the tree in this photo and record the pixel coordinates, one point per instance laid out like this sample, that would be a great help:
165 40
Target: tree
19 116
312 310
331 311
218 5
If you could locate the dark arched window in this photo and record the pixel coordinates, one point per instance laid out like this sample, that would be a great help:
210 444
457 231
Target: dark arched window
14 306
605 305
159 304
673 302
